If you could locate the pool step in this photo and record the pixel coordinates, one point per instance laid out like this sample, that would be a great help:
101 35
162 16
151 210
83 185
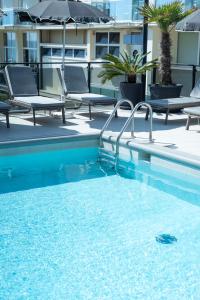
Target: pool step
106 155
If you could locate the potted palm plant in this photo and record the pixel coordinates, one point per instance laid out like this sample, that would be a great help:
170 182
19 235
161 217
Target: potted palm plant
166 17
130 67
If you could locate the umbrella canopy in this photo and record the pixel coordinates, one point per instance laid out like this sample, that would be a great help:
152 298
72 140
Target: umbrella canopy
63 12
190 23
60 12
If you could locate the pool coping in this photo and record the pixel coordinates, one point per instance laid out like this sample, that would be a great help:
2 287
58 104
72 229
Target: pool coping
151 148
34 141
146 148
48 144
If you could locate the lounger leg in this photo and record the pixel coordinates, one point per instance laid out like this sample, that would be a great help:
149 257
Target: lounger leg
116 114
90 113
34 121
166 117
7 120
188 123
63 115
147 115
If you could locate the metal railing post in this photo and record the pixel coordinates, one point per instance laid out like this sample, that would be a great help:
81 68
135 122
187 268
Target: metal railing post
154 75
38 76
194 70
89 76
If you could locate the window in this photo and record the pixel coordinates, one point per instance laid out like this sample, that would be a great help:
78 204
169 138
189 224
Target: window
121 10
30 47
135 38
6 4
79 53
56 52
107 42
101 38
10 47
114 38
187 3
27 3
46 51
69 52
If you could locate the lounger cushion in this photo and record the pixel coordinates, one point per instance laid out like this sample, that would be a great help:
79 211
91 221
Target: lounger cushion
21 81
194 111
75 80
92 99
4 106
38 102
175 103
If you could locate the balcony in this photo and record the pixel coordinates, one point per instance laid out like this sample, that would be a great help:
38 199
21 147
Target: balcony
11 18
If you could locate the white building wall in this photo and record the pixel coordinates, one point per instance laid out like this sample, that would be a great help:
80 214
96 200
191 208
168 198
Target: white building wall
188 48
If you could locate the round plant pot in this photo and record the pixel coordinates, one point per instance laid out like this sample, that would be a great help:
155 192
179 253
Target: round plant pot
158 91
132 92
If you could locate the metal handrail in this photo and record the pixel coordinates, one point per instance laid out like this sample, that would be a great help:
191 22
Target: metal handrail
132 118
148 106
112 115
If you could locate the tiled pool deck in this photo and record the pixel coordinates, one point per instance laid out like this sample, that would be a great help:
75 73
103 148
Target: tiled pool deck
173 136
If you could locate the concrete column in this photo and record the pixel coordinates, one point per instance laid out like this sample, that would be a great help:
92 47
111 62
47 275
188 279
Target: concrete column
2 46
150 56
90 42
19 40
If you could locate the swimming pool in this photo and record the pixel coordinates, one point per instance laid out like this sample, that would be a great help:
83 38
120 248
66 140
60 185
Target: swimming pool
71 228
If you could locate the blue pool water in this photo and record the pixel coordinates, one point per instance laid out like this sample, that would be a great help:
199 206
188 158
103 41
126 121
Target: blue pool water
73 229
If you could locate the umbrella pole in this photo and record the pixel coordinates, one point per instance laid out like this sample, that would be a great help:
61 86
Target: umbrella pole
69 115
63 59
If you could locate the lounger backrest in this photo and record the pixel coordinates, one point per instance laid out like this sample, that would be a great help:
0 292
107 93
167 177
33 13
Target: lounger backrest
21 81
75 80
196 90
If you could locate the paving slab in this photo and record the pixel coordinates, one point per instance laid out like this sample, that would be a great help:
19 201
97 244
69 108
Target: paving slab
173 135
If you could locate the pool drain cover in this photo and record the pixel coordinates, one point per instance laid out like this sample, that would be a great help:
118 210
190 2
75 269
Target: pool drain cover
166 239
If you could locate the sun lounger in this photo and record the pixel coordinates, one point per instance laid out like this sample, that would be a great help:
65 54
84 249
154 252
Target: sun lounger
168 105
76 89
24 93
171 104
191 112
4 109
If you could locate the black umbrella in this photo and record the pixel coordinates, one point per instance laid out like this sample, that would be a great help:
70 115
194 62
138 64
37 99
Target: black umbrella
63 12
190 23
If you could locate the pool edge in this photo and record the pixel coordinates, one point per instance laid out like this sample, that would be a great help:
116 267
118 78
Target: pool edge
148 149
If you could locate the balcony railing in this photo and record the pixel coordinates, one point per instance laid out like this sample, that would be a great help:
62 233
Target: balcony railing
182 73
48 80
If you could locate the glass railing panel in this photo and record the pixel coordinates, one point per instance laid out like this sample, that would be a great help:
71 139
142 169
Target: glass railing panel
49 79
110 88
183 75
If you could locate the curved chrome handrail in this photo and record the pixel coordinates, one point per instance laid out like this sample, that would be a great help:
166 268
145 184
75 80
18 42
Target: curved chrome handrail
148 106
131 118
112 115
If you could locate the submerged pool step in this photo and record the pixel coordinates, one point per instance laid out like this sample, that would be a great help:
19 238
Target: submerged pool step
106 151
106 156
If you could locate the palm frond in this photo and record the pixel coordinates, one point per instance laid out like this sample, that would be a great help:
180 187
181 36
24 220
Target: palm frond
166 15
126 65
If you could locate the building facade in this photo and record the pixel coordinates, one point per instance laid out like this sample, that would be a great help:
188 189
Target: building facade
30 43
